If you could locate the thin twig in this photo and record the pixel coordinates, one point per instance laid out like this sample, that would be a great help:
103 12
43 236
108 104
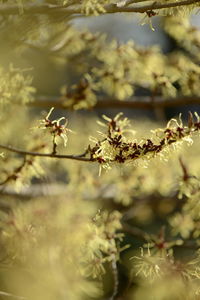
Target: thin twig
23 152
14 174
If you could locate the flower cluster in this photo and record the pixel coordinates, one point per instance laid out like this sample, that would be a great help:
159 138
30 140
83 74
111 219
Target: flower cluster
15 87
81 95
115 147
103 244
149 266
55 128
187 35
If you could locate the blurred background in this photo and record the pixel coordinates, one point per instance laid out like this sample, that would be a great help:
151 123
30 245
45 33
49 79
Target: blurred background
49 74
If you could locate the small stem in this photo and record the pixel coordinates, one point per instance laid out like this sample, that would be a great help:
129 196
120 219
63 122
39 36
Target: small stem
115 278
54 145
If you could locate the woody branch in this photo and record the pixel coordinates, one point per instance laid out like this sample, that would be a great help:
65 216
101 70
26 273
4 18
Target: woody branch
74 8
